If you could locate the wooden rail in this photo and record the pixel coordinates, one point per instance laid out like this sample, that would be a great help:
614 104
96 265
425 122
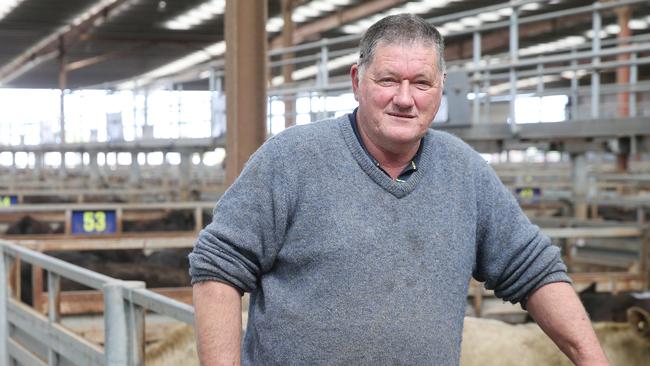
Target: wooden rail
122 211
81 195
79 302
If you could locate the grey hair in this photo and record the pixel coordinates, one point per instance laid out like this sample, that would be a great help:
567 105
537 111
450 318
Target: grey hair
400 28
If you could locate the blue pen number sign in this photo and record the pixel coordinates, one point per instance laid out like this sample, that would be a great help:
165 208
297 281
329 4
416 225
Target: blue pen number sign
8 200
94 222
528 194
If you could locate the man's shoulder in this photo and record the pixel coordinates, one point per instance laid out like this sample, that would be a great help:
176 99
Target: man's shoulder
315 133
445 141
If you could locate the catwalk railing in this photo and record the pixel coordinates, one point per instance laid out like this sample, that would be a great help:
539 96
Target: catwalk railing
29 338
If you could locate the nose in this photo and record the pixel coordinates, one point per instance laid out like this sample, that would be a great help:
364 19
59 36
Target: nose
403 97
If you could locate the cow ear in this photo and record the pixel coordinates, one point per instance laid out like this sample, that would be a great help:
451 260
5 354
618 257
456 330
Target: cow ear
639 319
591 289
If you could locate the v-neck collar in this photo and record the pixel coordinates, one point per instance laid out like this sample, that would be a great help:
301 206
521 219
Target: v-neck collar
397 189
406 173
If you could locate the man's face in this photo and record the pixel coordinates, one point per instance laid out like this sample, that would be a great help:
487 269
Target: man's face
399 93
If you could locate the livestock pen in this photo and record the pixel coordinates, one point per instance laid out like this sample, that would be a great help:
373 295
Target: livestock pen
28 337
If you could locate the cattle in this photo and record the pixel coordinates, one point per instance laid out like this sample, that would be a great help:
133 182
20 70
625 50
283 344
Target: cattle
486 342
489 342
608 307
28 225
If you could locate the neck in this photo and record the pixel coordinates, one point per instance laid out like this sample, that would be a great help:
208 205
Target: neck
394 159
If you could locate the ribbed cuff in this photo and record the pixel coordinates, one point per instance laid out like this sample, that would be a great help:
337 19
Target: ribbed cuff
559 276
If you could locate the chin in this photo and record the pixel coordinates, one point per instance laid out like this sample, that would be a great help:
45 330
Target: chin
405 135
403 139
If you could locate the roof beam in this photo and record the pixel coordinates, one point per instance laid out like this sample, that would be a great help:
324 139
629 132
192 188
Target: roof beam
337 19
59 41
202 42
80 64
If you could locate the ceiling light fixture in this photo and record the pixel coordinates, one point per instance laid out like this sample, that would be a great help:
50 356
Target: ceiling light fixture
505 12
274 24
197 15
307 11
613 29
471 22
637 24
490 16
322 6
7 6
530 7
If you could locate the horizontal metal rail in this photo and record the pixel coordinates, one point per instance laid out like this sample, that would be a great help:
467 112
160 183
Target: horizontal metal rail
593 232
534 61
23 355
60 339
555 70
106 206
64 269
143 241
160 304
596 6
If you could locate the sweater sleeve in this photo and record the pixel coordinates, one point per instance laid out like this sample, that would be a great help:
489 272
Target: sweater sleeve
513 257
247 227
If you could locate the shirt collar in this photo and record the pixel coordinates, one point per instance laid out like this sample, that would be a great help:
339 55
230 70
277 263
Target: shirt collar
408 170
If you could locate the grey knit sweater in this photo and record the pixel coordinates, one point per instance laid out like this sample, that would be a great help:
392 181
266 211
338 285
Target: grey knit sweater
347 267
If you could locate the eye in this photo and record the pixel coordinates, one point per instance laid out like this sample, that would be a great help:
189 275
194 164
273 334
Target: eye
422 84
387 81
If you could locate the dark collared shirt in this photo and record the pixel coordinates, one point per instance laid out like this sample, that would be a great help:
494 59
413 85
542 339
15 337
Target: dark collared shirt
408 170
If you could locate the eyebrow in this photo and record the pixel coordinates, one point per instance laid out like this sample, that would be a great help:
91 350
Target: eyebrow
416 76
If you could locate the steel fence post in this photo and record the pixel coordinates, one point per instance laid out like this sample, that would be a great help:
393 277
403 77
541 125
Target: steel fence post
4 298
115 327
135 318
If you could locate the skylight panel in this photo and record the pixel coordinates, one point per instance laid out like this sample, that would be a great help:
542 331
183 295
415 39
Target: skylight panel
6 6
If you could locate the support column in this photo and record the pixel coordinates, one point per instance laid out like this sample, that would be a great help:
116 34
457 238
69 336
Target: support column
217 105
134 175
13 171
595 73
287 69
166 174
38 165
579 179
623 73
623 76
476 80
185 174
93 168
245 82
63 83
634 78
573 111
514 58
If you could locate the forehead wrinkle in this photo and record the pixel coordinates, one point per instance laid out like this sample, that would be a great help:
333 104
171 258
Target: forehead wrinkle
409 44
401 67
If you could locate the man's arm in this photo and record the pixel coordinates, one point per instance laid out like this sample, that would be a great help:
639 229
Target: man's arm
559 312
218 324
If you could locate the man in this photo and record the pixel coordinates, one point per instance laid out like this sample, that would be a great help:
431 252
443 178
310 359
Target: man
357 236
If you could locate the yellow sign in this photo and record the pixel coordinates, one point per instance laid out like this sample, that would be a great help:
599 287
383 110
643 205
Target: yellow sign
94 221
527 194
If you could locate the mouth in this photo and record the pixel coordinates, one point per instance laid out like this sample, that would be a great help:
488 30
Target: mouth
401 115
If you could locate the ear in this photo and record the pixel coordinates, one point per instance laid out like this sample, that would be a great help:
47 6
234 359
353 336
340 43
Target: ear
354 75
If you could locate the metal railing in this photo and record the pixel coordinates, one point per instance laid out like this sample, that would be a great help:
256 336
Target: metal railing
497 77
593 57
125 303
